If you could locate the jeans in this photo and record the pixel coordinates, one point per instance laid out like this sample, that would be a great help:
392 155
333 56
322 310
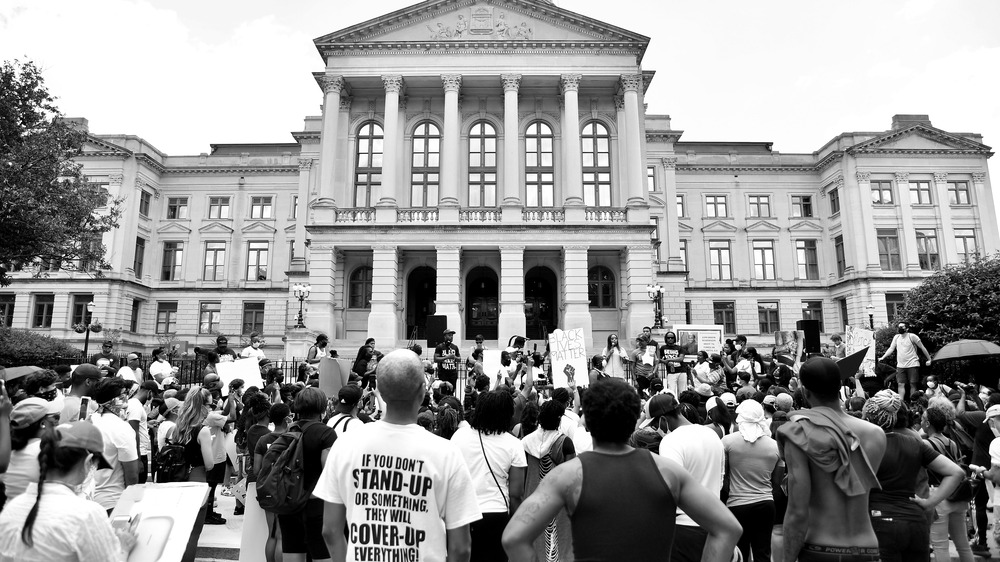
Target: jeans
757 520
951 520
900 540
676 383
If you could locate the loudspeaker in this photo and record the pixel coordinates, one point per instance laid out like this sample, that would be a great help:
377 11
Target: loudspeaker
810 335
435 328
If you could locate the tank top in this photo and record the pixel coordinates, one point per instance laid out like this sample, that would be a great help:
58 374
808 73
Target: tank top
192 449
623 496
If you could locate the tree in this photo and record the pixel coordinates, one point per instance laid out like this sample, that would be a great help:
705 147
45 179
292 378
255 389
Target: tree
49 212
24 347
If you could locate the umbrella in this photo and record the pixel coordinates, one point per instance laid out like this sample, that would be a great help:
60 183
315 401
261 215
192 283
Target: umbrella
964 349
12 373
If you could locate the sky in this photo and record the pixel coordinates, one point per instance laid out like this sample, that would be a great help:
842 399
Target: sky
184 74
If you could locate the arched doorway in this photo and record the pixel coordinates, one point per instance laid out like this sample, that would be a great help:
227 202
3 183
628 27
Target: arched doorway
421 290
482 308
540 302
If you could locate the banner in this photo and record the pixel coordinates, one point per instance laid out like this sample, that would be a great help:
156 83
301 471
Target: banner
568 355
693 338
856 339
247 369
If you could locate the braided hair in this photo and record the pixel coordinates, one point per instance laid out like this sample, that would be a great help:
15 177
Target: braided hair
59 460
883 409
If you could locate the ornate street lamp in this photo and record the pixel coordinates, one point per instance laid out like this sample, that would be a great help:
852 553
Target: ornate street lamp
655 293
87 325
301 292
871 316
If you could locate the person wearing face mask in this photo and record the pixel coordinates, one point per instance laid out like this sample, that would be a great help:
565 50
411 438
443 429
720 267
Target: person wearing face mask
83 380
254 349
120 448
906 345
28 420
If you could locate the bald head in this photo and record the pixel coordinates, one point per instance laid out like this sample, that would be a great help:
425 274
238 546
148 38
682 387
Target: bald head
400 376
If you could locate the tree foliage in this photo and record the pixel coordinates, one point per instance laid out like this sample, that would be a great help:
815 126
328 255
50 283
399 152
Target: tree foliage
48 210
24 347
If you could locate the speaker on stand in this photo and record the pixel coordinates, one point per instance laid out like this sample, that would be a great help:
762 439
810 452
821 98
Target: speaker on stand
436 325
810 336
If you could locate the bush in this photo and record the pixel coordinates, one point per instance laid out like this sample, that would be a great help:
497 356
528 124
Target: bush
24 347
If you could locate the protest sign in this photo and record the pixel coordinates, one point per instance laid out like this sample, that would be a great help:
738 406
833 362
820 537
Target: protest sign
492 366
246 369
333 374
568 355
693 338
163 517
856 339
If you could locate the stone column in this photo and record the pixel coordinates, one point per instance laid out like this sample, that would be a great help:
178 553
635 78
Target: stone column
851 216
671 244
385 211
633 141
572 157
322 278
511 199
450 157
638 307
302 216
907 235
622 150
383 322
948 250
870 262
327 204
987 211
577 300
512 320
449 288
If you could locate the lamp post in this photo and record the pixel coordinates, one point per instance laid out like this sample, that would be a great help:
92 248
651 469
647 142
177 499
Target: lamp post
86 332
655 293
871 316
301 292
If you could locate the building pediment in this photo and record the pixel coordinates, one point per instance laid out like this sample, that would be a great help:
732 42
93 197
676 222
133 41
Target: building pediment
805 226
95 147
259 228
718 226
684 227
290 229
919 139
473 21
763 226
216 228
173 228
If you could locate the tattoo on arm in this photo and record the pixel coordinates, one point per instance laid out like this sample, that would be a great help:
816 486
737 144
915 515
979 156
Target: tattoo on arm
575 489
531 506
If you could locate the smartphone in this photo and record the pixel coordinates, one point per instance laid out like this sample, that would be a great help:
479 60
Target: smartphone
84 408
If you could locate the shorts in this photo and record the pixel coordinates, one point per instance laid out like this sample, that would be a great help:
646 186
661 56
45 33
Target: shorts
217 475
912 375
302 532
819 553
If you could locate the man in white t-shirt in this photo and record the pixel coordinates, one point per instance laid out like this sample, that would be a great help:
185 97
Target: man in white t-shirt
119 443
699 450
137 417
906 345
131 371
400 490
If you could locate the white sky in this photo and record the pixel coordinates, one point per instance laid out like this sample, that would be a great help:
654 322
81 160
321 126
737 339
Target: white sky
186 73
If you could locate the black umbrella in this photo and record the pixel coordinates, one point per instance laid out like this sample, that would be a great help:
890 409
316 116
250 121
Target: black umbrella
965 349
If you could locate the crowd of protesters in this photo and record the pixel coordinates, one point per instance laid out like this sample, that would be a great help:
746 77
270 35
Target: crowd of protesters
730 455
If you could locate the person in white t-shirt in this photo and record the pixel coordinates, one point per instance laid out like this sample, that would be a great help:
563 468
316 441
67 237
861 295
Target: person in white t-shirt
393 478
119 443
164 431
905 345
131 371
345 417
137 417
160 368
28 421
497 463
254 349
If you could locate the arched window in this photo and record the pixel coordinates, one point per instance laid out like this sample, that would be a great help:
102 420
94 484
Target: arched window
539 167
601 287
425 174
361 288
482 165
367 163
596 165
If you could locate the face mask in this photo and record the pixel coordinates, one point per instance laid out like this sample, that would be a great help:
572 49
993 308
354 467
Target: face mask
738 347
48 396
255 344
931 385
901 330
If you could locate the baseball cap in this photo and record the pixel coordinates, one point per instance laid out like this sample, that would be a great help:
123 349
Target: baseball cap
264 361
992 412
655 385
132 356
349 395
212 382
83 435
729 399
32 409
449 331
769 400
87 371
704 389
711 403
172 403
784 402
662 404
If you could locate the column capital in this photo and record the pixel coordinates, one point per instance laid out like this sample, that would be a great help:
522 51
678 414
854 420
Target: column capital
940 177
331 84
345 103
620 103
452 82
393 83
115 179
631 82
979 177
570 82
670 162
863 177
838 182
902 177
305 164
511 82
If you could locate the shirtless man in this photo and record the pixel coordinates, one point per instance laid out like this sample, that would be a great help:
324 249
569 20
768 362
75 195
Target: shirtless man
827 517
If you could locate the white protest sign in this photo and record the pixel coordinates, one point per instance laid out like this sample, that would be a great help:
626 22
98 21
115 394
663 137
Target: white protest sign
693 338
856 339
492 366
246 369
568 354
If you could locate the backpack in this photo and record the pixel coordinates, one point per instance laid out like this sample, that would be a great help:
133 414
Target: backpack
344 418
171 462
281 484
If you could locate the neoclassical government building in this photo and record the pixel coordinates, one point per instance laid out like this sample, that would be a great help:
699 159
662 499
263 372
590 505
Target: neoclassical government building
492 161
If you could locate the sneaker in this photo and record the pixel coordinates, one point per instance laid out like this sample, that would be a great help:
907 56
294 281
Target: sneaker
239 510
214 519
980 548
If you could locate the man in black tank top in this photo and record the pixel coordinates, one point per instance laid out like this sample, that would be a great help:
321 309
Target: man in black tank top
616 493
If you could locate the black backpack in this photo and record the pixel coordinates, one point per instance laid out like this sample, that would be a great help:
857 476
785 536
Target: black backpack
281 485
171 462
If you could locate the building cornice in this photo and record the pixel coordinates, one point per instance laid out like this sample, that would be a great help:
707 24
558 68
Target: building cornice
243 170
400 48
747 169
144 158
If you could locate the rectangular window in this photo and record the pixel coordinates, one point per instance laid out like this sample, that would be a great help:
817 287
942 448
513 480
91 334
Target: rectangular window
881 192
257 261
813 310
218 207
927 249
140 255
50 265
253 317
295 206
173 258
838 247
7 310
802 206
215 261
145 198
687 312
768 317
965 240
725 315
260 207
79 312
681 209
894 306
920 193
177 208
715 206
887 240
760 205
807 259
133 323
834 201
720 260
166 317
210 317
651 178
41 316
683 250
654 237
843 313
763 259
958 193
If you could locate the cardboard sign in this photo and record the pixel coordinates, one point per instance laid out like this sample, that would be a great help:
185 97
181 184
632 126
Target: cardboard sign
162 516
693 338
856 339
492 366
247 369
568 354
333 374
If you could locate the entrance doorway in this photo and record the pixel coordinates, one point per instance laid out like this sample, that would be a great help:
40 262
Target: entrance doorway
482 309
421 291
540 302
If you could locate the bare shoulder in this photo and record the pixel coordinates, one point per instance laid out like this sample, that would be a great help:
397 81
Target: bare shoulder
872 438
672 472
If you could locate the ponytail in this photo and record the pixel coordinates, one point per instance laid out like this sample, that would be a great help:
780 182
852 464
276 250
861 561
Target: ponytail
45 459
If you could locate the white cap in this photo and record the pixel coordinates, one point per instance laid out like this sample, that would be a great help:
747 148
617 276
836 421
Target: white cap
992 412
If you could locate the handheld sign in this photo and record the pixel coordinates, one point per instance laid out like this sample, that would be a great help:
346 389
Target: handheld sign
568 355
